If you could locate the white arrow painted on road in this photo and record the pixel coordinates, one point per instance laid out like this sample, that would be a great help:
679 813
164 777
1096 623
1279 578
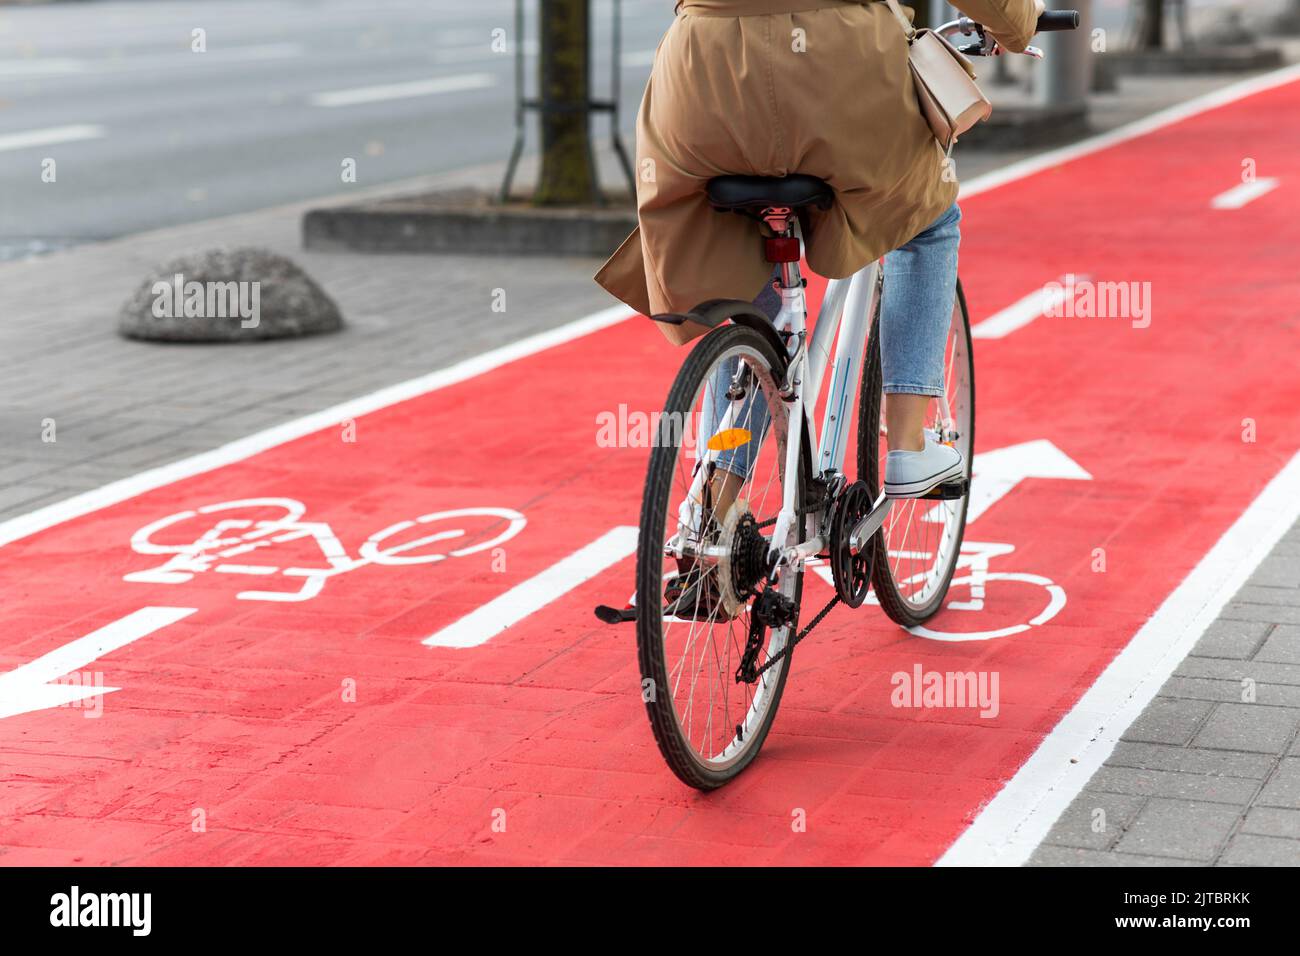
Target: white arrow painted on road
997 472
28 688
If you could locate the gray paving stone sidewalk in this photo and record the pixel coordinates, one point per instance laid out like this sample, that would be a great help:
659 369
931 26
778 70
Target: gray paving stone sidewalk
120 407
1209 774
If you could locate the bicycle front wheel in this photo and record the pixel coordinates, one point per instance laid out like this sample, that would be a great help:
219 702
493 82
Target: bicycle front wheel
712 495
917 548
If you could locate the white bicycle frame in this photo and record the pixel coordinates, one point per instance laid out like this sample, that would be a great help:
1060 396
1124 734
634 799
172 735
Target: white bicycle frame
845 319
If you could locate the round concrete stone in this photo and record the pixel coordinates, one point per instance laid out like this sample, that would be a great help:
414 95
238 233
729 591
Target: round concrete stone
228 295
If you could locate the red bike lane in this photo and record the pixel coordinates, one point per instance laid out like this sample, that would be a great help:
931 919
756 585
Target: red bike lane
247 728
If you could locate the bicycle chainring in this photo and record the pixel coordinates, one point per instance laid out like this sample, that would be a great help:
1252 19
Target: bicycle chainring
852 573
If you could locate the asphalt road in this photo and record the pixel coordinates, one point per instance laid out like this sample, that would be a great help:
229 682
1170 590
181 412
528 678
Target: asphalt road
144 132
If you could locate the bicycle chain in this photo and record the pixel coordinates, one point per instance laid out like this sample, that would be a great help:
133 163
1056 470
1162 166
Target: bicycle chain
784 652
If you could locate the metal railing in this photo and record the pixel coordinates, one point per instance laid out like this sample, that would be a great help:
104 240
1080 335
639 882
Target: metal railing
542 104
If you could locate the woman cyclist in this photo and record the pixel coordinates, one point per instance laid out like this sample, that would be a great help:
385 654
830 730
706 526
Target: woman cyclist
820 87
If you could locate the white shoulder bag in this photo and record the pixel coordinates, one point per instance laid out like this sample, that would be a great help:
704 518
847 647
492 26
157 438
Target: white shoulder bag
950 99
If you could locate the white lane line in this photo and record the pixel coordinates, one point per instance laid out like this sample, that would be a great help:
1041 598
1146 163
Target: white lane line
478 52
485 622
28 687
47 66
259 51
50 136
1019 314
1121 134
137 62
1239 195
1013 824
240 449
214 56
401 91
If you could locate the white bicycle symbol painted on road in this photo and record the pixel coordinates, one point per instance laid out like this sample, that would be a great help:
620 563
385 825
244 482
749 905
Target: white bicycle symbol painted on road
228 540
976 556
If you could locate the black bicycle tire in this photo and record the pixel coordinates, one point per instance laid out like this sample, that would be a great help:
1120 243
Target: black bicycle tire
901 611
676 751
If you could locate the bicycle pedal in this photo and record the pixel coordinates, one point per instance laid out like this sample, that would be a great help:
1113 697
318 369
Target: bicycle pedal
615 615
949 490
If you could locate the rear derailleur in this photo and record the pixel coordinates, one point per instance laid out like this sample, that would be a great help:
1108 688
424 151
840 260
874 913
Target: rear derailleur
771 609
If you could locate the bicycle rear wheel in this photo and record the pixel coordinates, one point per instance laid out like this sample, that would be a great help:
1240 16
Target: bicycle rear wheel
917 547
700 561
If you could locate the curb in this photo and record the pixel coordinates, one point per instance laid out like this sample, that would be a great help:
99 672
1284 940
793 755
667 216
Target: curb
469 221
465 221
1018 127
1225 59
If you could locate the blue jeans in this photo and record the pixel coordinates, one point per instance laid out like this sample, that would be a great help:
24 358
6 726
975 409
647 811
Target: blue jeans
920 289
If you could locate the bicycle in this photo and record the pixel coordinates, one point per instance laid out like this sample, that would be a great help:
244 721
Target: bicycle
742 574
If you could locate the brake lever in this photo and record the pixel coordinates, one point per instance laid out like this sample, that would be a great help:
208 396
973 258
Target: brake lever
985 45
990 48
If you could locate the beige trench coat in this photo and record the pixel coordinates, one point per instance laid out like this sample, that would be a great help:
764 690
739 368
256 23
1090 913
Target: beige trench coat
768 88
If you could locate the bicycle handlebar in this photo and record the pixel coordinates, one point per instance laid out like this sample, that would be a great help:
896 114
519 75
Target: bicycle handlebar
1052 20
1048 21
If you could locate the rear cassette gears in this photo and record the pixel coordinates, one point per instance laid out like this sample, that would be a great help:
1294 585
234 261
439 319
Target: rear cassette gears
744 560
852 573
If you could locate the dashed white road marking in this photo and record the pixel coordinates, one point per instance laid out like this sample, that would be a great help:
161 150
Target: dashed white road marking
485 622
141 62
50 136
43 66
480 52
401 91
1239 195
1019 314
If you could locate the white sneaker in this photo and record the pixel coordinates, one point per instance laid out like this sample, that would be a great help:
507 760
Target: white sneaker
910 474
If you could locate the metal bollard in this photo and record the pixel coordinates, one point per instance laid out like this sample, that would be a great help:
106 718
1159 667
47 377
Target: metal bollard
1065 76
941 12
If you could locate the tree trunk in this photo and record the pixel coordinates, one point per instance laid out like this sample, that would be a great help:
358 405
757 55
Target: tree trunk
567 177
1151 25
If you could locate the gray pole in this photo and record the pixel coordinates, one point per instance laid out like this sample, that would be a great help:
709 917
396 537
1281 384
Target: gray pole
1065 76
941 12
